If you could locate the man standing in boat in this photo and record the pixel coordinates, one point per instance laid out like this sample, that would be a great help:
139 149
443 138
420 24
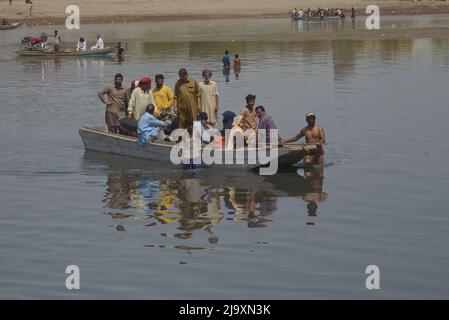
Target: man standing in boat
141 97
209 98
314 134
186 95
115 104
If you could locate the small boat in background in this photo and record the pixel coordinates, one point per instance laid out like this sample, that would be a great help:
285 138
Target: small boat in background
10 26
64 53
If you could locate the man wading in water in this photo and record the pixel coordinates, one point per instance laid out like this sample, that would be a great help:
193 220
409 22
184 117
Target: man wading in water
314 134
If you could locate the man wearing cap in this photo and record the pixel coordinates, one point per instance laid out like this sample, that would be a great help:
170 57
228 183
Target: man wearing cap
314 134
209 97
115 103
141 97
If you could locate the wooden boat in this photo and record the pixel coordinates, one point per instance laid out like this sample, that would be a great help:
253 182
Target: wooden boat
98 139
64 53
10 26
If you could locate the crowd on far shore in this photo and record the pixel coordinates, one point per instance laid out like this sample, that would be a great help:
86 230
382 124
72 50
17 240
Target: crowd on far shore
320 12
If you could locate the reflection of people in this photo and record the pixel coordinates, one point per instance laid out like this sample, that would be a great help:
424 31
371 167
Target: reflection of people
314 184
199 209
251 205
226 72
314 134
237 65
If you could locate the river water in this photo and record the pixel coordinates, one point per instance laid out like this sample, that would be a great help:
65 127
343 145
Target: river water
147 230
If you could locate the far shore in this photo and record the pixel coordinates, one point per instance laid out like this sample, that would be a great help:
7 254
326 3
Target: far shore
50 12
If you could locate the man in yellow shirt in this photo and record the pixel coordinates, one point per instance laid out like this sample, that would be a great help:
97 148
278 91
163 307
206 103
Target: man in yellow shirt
163 97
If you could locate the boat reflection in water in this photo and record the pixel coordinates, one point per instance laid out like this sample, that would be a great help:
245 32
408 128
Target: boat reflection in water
194 202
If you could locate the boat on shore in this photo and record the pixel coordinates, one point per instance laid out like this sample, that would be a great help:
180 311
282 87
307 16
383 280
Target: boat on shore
98 139
10 26
64 53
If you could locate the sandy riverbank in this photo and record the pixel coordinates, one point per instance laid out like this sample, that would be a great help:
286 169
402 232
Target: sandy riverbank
105 11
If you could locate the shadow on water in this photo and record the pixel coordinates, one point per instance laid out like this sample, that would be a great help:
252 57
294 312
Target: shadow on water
194 203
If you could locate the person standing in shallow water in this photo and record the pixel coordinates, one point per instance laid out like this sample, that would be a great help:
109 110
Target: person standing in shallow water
237 65
314 134
57 41
186 95
226 59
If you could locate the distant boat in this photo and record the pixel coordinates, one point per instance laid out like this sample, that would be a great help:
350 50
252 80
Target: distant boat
98 139
64 53
10 26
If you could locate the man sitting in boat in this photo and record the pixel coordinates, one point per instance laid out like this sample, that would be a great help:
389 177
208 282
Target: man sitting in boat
148 127
300 13
206 131
294 12
314 134
266 123
128 126
99 45
228 119
237 132
81 45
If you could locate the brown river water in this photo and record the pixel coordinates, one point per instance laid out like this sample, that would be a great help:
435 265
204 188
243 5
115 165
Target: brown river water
147 230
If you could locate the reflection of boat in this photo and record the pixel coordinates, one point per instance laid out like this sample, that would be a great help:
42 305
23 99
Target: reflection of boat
281 185
97 139
64 53
9 26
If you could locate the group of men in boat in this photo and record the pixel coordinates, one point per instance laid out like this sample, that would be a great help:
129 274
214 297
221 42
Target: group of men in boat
153 113
81 44
321 13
